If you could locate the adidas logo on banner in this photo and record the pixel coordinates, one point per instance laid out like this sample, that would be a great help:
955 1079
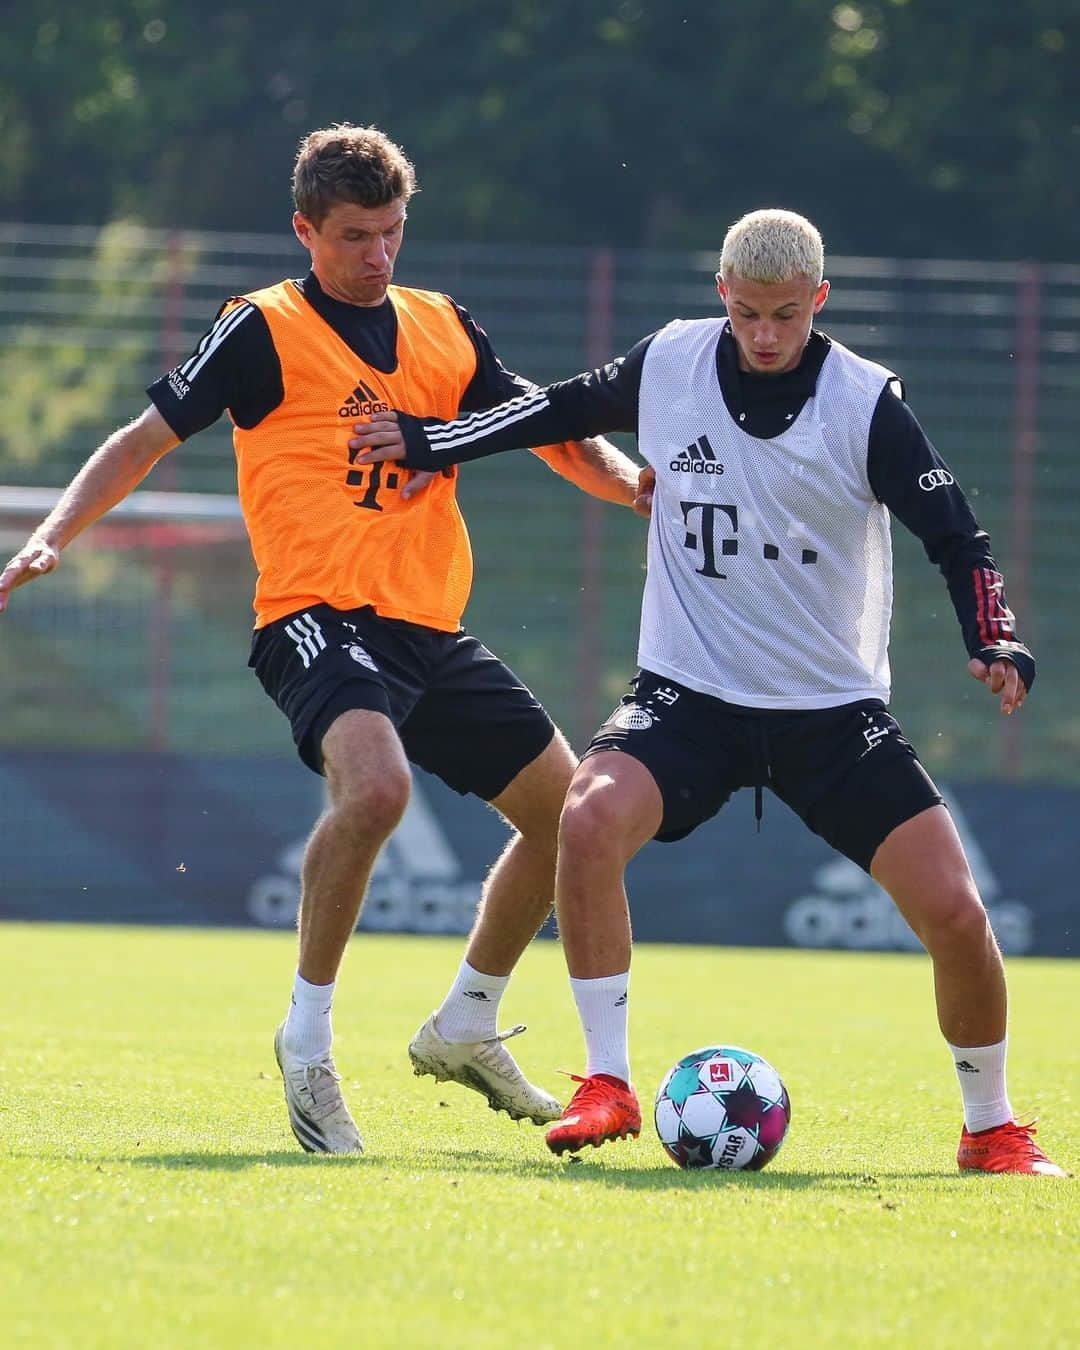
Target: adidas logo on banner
699 458
362 402
418 884
842 906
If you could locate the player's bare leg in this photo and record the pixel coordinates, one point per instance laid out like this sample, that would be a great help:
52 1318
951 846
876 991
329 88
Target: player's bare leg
520 887
923 867
613 807
368 786
461 1041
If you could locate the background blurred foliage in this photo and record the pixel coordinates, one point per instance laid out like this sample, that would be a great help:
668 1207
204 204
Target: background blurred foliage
904 127
58 378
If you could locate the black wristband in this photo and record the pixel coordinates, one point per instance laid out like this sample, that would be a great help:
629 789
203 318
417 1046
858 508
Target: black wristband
1015 652
418 453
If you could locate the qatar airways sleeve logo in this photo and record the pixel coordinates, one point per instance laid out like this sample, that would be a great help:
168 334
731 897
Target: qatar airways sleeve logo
935 478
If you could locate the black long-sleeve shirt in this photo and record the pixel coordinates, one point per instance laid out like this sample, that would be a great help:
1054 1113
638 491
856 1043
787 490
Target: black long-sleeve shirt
905 471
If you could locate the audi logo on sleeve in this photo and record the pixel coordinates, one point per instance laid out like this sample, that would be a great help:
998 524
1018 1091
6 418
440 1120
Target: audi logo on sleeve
935 478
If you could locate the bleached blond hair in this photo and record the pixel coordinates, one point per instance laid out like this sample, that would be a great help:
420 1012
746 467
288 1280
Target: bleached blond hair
772 246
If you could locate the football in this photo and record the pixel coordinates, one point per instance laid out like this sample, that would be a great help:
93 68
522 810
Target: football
722 1107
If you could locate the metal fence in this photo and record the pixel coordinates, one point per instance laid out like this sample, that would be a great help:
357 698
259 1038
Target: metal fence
89 316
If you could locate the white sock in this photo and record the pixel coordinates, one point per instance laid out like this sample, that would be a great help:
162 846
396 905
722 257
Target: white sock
471 1008
981 1071
308 1033
601 1005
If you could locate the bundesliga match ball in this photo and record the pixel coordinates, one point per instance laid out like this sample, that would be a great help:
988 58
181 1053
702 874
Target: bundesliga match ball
722 1107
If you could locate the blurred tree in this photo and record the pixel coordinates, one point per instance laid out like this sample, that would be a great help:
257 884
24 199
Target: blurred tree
895 124
977 104
58 379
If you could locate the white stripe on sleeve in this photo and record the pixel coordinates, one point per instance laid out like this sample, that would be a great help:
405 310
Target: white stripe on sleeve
213 339
466 430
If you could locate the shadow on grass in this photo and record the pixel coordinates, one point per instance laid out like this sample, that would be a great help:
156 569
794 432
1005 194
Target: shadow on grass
455 1162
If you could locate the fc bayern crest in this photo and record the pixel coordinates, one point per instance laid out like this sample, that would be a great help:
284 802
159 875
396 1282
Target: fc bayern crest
633 718
359 655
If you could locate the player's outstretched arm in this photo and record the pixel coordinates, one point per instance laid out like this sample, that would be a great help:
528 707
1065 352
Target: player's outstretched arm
433 444
595 466
570 411
111 472
589 404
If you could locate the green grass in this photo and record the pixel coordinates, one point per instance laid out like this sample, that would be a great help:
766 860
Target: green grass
151 1194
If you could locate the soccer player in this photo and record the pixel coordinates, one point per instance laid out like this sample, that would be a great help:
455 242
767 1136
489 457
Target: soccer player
774 457
363 577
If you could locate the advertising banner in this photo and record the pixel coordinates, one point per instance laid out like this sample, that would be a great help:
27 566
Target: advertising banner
146 838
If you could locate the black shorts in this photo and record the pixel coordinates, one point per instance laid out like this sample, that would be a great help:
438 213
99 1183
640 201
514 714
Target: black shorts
461 714
848 772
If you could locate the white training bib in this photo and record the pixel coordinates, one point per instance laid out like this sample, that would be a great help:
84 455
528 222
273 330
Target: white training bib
770 561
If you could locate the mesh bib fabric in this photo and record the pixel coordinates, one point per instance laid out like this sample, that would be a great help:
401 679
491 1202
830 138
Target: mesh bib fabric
770 561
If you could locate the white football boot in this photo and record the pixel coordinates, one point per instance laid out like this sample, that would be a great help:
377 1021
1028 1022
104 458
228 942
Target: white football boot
317 1111
485 1066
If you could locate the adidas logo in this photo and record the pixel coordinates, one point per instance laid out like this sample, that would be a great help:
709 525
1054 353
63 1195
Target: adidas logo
699 458
477 994
362 402
620 1002
965 1067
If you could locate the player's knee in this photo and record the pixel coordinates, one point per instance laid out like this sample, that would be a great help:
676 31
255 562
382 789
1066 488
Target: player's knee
592 822
374 805
958 918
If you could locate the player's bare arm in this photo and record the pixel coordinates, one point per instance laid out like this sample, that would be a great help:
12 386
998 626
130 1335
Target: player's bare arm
117 467
596 467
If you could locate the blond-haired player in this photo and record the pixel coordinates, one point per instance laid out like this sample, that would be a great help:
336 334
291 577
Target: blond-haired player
775 456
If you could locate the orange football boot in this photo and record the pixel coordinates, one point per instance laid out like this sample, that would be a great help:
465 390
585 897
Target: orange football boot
1006 1148
602 1108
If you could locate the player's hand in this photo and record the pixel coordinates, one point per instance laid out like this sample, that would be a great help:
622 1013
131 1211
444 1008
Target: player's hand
1001 678
646 484
34 559
378 439
417 483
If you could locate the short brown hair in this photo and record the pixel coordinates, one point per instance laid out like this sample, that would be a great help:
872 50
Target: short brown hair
344 163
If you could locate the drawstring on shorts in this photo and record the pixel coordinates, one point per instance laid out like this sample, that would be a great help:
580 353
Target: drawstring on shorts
762 769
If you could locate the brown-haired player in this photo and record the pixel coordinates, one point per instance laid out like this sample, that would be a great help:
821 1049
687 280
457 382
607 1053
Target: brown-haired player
364 572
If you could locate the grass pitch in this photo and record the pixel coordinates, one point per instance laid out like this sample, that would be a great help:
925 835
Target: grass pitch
151 1193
